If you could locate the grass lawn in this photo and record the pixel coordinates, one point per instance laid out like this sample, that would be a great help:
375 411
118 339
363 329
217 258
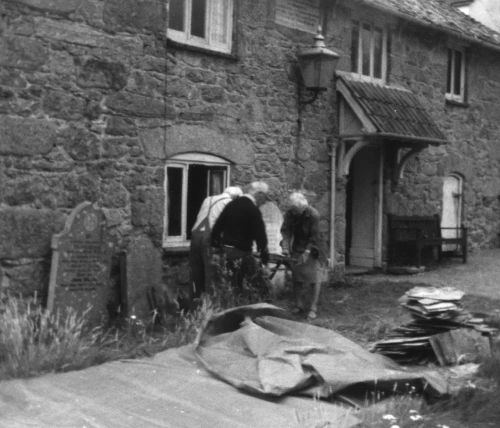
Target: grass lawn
33 342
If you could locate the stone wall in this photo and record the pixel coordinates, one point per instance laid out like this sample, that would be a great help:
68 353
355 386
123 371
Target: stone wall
419 62
244 108
94 100
82 93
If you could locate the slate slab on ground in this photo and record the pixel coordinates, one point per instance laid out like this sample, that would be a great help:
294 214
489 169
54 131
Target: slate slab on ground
170 390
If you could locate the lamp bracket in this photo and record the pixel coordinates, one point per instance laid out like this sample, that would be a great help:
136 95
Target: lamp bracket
313 96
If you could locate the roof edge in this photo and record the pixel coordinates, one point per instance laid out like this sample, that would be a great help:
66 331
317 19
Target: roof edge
409 18
393 136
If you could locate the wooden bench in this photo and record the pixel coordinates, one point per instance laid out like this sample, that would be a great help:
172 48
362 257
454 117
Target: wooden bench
409 236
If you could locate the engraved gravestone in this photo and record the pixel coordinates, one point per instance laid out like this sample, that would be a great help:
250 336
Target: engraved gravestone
141 277
273 219
81 261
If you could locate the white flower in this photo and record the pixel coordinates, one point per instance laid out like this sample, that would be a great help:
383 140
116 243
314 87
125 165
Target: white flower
388 418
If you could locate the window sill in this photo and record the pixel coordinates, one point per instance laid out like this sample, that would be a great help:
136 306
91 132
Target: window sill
456 103
206 51
178 250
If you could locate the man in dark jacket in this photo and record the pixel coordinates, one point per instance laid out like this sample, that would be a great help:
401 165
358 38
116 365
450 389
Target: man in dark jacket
238 227
199 251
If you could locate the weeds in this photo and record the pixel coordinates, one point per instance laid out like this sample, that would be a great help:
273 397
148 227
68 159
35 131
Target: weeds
190 324
34 341
478 401
397 411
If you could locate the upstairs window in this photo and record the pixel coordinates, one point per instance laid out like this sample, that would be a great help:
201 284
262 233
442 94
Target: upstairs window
455 82
202 23
189 179
369 51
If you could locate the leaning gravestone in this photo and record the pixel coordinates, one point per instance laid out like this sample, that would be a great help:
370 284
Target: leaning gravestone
141 277
81 262
273 219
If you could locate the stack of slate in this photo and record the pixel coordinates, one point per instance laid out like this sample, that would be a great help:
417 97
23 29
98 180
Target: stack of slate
441 331
428 305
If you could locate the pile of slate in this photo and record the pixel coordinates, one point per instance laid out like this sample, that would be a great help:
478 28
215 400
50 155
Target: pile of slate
441 330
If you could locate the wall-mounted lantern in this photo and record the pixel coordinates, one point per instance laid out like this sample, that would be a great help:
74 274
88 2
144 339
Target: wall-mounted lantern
317 65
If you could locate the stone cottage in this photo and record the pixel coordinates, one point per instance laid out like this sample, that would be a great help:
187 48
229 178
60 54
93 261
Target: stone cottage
147 106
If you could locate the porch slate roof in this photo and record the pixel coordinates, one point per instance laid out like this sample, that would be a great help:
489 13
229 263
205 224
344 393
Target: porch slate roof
440 15
395 112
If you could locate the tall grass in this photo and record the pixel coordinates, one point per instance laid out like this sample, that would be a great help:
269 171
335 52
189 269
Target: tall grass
33 340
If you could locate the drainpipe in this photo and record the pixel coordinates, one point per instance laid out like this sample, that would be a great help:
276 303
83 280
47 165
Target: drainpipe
333 174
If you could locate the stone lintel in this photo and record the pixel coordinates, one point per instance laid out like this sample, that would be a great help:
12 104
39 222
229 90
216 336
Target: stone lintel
195 138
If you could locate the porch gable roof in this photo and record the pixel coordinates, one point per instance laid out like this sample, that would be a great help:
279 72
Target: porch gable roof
392 112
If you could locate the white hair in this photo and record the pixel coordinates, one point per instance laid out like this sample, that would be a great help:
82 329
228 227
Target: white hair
258 187
298 200
233 191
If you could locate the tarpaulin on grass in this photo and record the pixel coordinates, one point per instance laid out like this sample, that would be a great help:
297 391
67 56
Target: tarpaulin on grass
169 390
256 349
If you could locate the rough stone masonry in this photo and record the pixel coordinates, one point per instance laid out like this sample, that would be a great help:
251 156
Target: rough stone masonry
93 100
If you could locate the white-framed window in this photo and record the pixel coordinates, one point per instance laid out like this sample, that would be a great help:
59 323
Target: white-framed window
369 50
203 23
455 81
189 179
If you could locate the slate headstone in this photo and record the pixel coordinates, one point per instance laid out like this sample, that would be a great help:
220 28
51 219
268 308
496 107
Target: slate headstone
141 277
273 219
81 263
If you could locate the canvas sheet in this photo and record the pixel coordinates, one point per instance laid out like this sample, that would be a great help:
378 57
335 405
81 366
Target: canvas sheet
256 349
170 390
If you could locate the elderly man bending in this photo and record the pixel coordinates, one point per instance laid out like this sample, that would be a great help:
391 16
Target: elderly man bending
238 227
199 253
302 242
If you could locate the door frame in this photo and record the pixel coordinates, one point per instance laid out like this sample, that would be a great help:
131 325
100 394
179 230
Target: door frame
346 155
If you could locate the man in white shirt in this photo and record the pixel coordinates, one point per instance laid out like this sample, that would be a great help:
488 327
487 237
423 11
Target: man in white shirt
199 253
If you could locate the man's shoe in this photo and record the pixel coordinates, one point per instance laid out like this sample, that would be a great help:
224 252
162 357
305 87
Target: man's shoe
312 315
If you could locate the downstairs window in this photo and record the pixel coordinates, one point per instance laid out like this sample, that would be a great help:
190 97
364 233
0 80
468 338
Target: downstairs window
189 179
